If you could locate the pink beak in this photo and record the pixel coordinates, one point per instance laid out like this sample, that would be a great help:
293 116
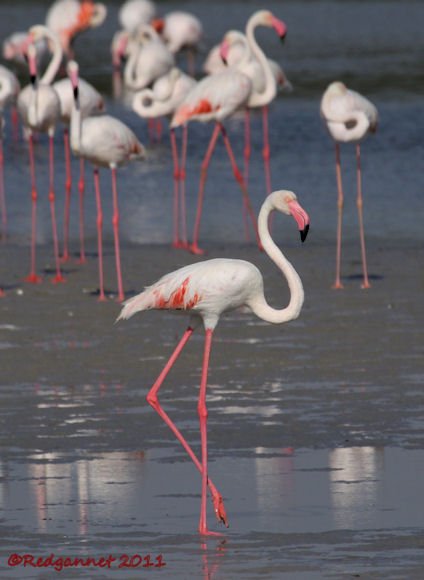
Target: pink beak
301 218
224 49
280 27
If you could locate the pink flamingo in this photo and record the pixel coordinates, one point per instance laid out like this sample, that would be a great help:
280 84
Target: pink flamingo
105 142
91 102
349 117
68 18
9 90
208 289
161 100
39 108
181 30
263 75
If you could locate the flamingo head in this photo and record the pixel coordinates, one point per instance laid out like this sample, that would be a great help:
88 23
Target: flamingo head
286 202
158 24
32 62
267 18
73 70
231 38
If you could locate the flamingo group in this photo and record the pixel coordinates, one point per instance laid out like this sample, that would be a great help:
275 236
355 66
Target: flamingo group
146 57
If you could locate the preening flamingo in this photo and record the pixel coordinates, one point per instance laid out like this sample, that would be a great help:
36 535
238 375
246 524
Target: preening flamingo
39 108
91 102
68 18
208 289
349 117
133 13
181 30
161 100
105 142
258 68
9 89
148 61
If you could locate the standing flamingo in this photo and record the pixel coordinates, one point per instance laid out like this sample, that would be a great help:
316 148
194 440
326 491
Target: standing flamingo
91 102
39 108
262 73
161 100
105 142
181 30
68 18
207 290
349 117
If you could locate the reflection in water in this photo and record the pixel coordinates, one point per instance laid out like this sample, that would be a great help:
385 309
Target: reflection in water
355 479
54 494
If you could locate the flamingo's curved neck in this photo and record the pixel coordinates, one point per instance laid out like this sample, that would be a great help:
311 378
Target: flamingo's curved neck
259 305
266 96
76 125
54 64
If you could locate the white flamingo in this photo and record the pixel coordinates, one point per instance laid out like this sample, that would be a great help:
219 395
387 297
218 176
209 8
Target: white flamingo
206 290
105 142
349 117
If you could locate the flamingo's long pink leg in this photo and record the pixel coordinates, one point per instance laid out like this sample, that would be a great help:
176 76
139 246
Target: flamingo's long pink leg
337 283
81 190
359 202
176 243
246 154
102 296
152 399
240 181
183 187
194 247
203 415
58 278
2 193
266 152
115 222
14 116
68 185
32 276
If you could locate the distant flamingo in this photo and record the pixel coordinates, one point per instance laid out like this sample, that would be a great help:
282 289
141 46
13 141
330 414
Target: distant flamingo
39 108
161 100
181 30
133 13
68 18
148 61
9 89
262 73
105 142
91 102
208 289
349 117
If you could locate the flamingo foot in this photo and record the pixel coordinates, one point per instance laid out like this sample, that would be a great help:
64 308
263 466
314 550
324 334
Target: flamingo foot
33 279
337 285
205 532
81 260
219 509
194 249
65 258
58 279
120 298
178 244
102 298
2 293
365 285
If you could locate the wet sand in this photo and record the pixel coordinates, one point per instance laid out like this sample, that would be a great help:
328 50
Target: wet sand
315 427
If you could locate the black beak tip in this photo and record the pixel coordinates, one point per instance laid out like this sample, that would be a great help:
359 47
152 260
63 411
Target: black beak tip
283 38
304 233
33 78
224 60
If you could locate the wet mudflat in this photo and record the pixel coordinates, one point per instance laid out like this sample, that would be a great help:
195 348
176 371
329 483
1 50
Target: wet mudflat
315 428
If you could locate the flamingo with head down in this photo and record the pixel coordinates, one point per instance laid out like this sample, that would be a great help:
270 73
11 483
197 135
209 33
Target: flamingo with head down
349 117
206 290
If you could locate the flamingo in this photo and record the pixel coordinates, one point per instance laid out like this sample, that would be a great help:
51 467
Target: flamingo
349 117
133 13
9 89
262 73
162 100
91 102
105 142
181 30
208 289
218 96
39 108
68 18
147 62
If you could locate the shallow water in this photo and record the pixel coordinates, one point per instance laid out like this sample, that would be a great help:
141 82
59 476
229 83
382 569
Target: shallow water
315 429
